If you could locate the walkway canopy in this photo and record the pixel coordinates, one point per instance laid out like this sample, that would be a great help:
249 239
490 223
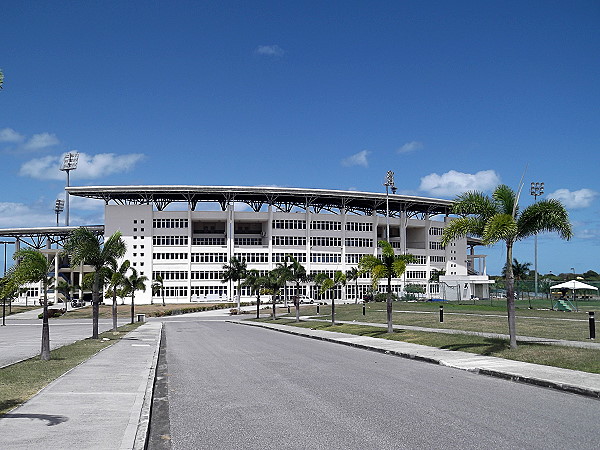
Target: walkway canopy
573 285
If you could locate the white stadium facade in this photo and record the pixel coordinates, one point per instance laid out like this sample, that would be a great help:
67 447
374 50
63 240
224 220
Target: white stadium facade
186 234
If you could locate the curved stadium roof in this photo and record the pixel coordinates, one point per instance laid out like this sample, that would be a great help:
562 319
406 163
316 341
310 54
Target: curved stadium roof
283 198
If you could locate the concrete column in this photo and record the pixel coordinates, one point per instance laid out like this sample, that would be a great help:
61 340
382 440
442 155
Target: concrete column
270 236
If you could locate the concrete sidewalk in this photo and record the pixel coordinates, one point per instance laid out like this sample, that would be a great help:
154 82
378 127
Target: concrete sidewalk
104 403
574 381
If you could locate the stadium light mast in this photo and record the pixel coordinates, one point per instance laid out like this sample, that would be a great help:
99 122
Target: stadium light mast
389 183
69 163
537 189
59 206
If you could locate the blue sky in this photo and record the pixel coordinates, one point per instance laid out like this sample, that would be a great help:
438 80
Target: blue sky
451 96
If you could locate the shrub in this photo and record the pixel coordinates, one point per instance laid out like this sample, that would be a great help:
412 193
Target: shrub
52 313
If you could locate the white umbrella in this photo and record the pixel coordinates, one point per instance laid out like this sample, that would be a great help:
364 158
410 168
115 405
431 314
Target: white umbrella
573 284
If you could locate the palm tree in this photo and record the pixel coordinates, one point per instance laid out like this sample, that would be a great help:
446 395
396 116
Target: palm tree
353 274
132 283
115 275
325 284
158 287
33 267
235 271
520 273
273 284
256 283
388 266
84 247
285 273
297 274
497 218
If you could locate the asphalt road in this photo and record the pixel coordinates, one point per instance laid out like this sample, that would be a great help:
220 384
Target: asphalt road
238 387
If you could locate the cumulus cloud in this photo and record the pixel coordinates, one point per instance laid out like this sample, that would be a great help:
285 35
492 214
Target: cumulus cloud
453 183
410 147
40 141
89 166
41 214
10 135
574 199
358 159
269 50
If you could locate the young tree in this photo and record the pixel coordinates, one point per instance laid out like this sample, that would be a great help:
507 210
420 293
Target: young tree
274 281
33 267
256 283
235 271
158 287
497 218
353 275
326 283
297 274
131 284
84 247
388 266
115 275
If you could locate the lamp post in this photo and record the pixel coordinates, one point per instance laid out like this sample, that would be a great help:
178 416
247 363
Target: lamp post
59 206
69 163
537 189
389 183
3 275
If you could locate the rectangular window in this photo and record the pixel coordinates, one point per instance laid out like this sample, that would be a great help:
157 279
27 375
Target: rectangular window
209 258
326 225
296 241
169 223
289 224
359 226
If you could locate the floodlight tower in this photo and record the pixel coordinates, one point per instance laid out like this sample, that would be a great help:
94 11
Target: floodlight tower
69 163
389 183
59 206
537 189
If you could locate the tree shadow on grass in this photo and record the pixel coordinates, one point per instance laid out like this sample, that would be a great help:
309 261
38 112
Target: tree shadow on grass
487 348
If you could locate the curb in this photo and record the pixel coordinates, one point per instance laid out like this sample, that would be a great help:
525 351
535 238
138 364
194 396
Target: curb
574 389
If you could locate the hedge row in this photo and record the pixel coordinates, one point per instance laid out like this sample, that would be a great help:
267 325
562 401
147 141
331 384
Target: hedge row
192 309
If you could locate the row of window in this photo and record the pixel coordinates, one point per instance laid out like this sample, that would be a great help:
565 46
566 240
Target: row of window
436 231
325 258
331 225
169 255
209 257
170 240
248 241
170 223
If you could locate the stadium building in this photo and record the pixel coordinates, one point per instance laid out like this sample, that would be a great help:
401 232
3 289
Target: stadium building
186 234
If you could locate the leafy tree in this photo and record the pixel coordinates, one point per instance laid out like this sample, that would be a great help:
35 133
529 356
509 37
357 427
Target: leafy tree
33 267
115 275
353 274
158 287
84 247
497 218
388 266
434 276
133 283
235 271
256 283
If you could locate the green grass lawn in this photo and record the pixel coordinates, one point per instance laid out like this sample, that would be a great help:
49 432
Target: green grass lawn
19 382
479 318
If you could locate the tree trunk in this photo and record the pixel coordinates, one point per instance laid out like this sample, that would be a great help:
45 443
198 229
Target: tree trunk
45 353
356 293
258 306
162 289
389 306
238 297
510 297
132 306
95 306
333 310
114 310
273 300
297 302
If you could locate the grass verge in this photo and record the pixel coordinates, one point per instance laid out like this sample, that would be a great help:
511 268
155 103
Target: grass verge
19 382
156 310
586 360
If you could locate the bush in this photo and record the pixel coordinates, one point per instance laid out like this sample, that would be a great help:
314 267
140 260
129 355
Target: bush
52 313
382 297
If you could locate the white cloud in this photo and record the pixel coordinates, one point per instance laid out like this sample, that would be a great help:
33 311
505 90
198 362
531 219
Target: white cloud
270 50
358 159
88 167
453 183
40 141
10 135
41 214
410 147
575 199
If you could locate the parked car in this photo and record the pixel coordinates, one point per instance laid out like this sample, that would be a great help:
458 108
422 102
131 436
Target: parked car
303 299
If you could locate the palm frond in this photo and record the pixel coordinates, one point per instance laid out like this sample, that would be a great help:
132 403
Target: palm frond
461 227
474 203
501 227
546 215
506 200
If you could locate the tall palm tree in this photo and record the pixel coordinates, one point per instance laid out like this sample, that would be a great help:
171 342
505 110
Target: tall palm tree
115 275
33 267
235 271
388 266
256 283
497 218
284 269
353 274
84 247
297 274
158 287
133 283
326 283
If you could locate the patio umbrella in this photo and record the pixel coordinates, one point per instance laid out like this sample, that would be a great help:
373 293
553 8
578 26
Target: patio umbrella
573 285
